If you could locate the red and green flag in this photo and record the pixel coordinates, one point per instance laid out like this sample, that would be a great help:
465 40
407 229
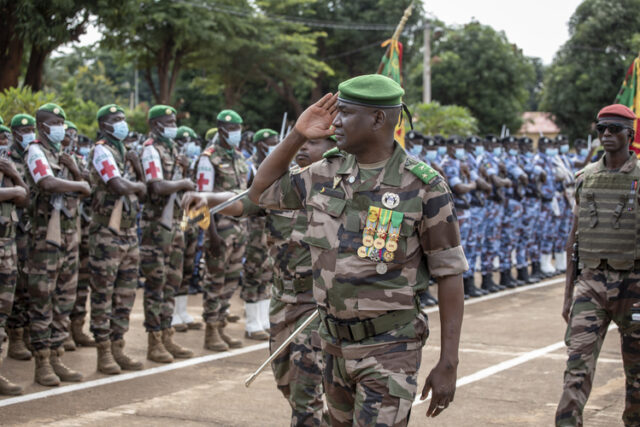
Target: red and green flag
629 95
391 66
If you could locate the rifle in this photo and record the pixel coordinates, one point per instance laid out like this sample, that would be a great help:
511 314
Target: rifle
116 214
54 236
166 220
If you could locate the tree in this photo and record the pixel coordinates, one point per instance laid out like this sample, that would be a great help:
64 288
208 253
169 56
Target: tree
445 120
589 68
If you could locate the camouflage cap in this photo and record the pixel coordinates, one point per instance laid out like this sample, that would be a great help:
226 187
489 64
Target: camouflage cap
263 134
185 131
210 133
229 116
160 111
108 109
53 108
70 125
22 120
4 129
373 90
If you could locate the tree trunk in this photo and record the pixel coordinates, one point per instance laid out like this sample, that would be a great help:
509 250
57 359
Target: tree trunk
35 68
11 48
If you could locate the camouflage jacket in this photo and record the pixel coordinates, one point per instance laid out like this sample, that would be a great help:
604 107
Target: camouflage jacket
17 154
220 169
351 287
105 162
158 163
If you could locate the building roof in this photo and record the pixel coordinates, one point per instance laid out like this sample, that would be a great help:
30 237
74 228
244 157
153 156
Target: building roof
538 122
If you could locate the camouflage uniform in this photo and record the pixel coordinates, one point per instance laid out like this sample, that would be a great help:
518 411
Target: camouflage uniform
113 258
8 261
82 294
495 210
20 314
298 369
605 290
223 170
161 250
511 226
372 329
52 272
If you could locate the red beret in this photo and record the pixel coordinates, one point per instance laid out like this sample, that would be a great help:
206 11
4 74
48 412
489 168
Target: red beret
617 110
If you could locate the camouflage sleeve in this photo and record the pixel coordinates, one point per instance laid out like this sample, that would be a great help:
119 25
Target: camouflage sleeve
579 181
251 209
289 192
439 233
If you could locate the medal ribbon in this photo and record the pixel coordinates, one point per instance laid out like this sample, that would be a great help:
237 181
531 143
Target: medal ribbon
383 225
372 222
394 231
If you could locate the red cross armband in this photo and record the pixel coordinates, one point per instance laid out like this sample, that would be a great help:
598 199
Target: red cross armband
205 175
105 163
151 164
38 163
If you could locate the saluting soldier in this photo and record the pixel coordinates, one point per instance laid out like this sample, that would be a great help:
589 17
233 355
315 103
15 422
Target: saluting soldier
23 129
52 267
380 223
162 247
114 255
13 193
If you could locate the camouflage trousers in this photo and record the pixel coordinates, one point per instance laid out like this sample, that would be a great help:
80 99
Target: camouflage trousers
298 369
600 296
510 233
8 276
52 281
82 294
223 274
258 273
527 247
20 313
190 247
477 226
563 226
546 228
377 390
161 262
491 241
113 262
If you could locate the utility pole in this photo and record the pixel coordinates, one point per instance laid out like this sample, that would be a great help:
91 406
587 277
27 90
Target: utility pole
136 94
426 65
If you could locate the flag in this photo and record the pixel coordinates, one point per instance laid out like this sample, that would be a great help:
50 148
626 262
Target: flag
629 95
391 66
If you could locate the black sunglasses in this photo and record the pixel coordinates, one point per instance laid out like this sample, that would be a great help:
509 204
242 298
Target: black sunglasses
613 128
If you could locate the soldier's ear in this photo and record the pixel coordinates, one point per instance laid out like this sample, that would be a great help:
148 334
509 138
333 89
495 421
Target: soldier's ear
379 119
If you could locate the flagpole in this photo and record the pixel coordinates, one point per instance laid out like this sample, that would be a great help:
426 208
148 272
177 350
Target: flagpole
396 33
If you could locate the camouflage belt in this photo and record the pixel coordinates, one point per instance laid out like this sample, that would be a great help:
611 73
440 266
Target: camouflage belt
104 221
296 286
361 329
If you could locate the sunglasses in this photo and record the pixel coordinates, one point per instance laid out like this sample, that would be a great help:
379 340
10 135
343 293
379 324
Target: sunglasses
613 128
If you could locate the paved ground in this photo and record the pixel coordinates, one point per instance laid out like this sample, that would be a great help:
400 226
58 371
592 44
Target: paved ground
510 373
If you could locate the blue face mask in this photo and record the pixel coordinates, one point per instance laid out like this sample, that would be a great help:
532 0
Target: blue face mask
479 150
170 132
442 151
121 130
56 134
415 150
192 150
83 151
27 138
549 152
564 149
584 152
432 155
497 151
460 153
529 154
513 152
234 137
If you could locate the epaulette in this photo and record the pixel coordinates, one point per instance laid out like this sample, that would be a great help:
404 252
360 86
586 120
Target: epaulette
209 150
148 142
334 152
422 170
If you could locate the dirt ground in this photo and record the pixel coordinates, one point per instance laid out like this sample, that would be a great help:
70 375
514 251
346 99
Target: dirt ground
511 366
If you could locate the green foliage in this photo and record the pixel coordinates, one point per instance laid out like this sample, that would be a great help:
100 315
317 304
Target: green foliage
588 70
476 67
446 120
17 101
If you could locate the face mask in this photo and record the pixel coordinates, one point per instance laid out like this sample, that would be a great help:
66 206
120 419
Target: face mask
83 151
528 154
27 138
584 152
460 153
415 150
497 151
479 150
56 134
192 150
549 152
432 154
564 149
513 152
234 138
121 130
270 149
442 150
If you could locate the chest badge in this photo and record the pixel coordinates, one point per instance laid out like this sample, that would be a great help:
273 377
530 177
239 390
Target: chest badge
390 200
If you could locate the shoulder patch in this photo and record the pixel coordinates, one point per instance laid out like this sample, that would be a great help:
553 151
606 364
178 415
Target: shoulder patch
423 171
148 142
209 151
332 153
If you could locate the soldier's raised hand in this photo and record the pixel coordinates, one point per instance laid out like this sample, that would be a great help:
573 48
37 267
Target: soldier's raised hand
315 122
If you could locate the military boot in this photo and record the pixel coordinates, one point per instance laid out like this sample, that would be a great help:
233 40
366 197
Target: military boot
17 348
506 280
231 342
8 388
536 274
212 339
69 344
62 371
470 288
78 334
155 349
174 348
127 363
523 275
44 372
106 363
488 284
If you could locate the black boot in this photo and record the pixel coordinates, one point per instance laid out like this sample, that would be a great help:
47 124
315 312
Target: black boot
427 300
488 284
470 288
506 280
523 275
472 280
536 273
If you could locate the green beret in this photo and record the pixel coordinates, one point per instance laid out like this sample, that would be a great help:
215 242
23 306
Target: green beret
160 110
263 134
70 125
229 116
53 108
22 120
184 131
4 129
373 90
210 133
108 109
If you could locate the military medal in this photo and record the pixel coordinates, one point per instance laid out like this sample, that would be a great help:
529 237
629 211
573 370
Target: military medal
363 251
394 231
390 200
370 227
381 268
381 231
388 256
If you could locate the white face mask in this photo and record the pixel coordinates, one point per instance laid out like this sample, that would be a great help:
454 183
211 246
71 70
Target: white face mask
234 137
170 132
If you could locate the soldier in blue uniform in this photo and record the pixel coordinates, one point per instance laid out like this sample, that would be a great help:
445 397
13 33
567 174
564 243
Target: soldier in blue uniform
549 208
565 187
